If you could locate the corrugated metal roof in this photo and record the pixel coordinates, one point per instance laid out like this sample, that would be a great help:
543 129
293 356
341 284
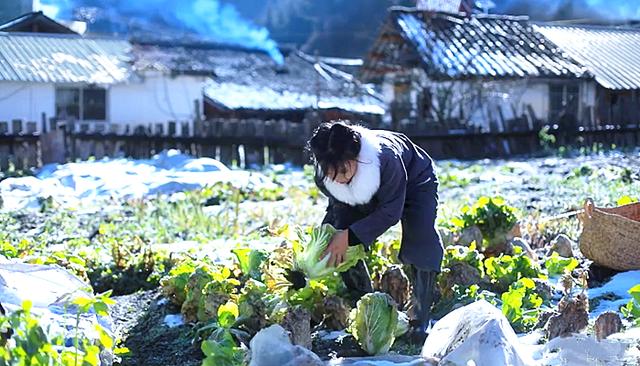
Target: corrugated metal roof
611 54
62 59
451 46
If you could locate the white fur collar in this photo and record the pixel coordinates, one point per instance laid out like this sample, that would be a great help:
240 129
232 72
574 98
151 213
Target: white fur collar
366 181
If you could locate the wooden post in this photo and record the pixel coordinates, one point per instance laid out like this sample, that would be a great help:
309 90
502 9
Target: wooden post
16 127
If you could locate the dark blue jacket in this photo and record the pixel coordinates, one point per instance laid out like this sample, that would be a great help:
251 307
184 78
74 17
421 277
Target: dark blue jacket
407 191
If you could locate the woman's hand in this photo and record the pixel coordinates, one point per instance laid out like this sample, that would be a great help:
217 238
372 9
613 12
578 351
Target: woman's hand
337 248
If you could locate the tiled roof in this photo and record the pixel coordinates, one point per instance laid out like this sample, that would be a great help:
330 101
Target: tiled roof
611 54
62 59
252 81
450 46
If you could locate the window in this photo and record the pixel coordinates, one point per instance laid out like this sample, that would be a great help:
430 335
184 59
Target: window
563 101
85 104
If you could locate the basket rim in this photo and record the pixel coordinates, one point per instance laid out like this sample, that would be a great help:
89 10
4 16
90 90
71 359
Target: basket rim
618 216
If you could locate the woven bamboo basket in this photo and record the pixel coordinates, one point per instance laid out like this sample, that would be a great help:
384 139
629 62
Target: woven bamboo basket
611 236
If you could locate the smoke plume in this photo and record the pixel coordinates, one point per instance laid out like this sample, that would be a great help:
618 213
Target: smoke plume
212 20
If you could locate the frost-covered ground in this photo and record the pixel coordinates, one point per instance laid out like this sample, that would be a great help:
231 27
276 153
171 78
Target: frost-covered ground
93 182
545 186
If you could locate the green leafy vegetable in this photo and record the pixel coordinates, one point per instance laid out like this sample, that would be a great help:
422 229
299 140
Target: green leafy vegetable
250 261
309 248
557 265
175 283
374 323
492 215
631 310
506 270
220 349
521 304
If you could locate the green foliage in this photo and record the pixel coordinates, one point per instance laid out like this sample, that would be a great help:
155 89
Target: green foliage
557 265
373 323
174 285
31 345
452 180
457 254
220 349
250 262
461 296
626 200
382 255
521 304
631 310
506 270
547 140
492 215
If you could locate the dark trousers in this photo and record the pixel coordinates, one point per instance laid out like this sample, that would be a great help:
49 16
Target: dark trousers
421 250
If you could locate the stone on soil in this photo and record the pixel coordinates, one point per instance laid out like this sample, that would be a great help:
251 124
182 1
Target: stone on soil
297 322
477 332
572 317
526 248
607 323
396 283
470 235
272 347
562 245
336 312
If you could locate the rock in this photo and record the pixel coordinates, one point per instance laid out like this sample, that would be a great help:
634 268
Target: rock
572 317
543 319
607 324
396 283
459 273
524 245
336 312
498 247
468 236
543 289
475 334
272 347
562 245
447 236
297 322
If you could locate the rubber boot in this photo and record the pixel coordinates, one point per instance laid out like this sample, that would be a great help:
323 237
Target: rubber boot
357 280
423 283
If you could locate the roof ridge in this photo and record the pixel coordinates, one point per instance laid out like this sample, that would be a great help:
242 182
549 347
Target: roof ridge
414 10
92 37
589 26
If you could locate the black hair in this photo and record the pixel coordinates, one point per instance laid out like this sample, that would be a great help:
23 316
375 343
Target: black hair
332 145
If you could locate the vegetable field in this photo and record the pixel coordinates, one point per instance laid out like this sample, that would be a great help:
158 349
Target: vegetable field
190 277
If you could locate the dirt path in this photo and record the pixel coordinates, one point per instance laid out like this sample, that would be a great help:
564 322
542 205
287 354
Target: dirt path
138 324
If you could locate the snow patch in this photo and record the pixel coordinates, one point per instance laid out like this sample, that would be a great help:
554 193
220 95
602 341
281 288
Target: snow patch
619 286
173 320
86 183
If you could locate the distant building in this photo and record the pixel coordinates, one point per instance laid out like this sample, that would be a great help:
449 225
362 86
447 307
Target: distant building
47 71
249 84
485 71
90 81
612 55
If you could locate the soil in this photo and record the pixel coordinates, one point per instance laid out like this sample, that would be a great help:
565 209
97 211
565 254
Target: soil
138 325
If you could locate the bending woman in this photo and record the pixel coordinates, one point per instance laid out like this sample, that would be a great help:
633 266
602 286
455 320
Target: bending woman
373 179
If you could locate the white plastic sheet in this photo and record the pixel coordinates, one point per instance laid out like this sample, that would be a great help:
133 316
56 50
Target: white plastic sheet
477 333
